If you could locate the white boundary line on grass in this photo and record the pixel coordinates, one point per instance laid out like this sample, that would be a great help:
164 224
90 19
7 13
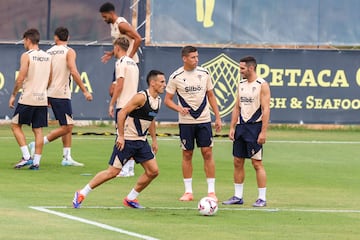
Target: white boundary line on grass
176 138
46 209
97 224
265 209
228 140
271 210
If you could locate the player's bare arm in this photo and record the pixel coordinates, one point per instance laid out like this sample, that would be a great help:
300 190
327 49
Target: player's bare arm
50 77
71 64
212 101
107 56
152 132
129 30
24 67
118 87
168 100
265 107
234 119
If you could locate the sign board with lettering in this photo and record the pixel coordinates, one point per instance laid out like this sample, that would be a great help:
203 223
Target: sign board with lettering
307 86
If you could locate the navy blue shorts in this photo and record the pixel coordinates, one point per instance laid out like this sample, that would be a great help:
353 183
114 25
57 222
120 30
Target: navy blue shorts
201 132
138 150
36 116
62 110
245 144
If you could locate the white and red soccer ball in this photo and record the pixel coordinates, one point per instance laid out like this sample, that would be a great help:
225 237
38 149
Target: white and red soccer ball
207 206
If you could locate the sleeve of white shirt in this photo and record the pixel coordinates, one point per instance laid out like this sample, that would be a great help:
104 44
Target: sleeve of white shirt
209 84
171 86
119 69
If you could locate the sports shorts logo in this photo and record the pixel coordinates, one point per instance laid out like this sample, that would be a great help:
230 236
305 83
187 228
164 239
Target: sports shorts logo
225 75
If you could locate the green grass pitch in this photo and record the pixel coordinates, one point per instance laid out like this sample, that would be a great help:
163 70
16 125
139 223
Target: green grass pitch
313 191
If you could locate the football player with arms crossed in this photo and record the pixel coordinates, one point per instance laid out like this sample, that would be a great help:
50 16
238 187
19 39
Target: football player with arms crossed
194 90
248 129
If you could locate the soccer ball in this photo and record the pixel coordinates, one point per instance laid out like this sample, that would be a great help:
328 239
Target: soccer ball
207 206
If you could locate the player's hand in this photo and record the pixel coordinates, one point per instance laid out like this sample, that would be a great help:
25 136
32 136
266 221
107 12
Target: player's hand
154 147
88 96
11 101
218 125
111 111
261 138
183 111
232 134
106 57
120 143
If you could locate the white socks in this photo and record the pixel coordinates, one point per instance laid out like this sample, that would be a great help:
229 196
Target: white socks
46 140
210 182
129 166
239 190
131 163
36 160
25 152
132 195
188 185
66 152
211 185
262 193
86 190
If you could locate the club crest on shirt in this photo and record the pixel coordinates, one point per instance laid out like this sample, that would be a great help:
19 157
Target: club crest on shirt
225 74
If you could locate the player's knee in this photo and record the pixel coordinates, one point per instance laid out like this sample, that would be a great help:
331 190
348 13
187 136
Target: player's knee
238 163
68 128
153 173
257 164
14 127
187 155
206 153
113 172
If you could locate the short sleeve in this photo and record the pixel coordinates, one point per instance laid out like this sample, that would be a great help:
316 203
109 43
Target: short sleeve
171 85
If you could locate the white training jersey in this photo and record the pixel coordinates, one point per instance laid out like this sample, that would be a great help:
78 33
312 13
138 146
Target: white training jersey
60 83
191 89
115 34
37 79
126 68
249 101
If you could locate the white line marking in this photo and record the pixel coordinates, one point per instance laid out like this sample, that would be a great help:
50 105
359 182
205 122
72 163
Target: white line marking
316 142
223 209
228 140
176 138
97 224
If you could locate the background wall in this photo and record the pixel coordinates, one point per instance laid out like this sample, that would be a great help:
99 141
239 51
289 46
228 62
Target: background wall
308 86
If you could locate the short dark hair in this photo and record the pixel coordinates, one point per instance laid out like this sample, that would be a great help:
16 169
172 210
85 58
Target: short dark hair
122 42
32 34
62 33
188 49
107 7
152 74
249 60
